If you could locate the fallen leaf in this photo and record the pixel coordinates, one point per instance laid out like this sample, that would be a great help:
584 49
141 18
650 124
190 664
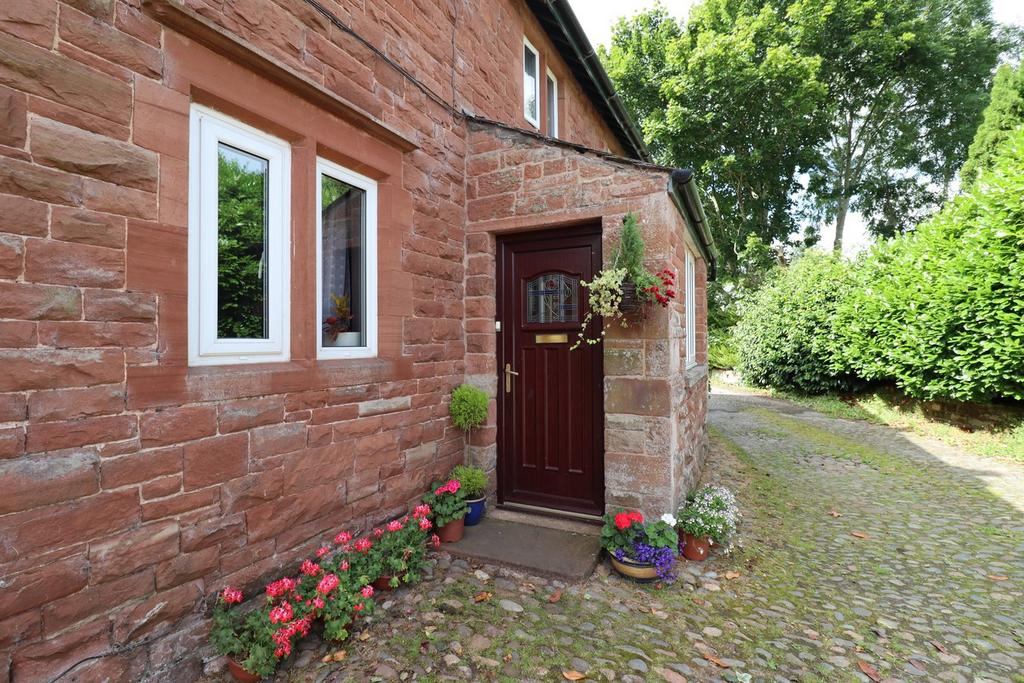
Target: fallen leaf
339 655
698 601
869 671
917 664
327 659
732 575
835 513
429 629
573 675
997 577
939 646
365 635
483 596
715 660
859 534
507 658
555 597
529 587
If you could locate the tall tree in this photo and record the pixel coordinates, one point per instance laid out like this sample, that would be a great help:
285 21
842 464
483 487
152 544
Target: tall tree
1005 112
907 83
730 97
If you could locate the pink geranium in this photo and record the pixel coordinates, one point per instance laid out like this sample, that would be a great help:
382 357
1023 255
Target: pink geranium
394 525
280 587
367 591
327 584
322 550
283 613
231 595
343 537
310 568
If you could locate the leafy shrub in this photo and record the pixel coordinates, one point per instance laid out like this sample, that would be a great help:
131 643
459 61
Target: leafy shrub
722 353
469 407
472 479
941 311
785 338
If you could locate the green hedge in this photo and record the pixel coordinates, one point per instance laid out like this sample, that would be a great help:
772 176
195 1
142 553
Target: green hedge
939 312
785 331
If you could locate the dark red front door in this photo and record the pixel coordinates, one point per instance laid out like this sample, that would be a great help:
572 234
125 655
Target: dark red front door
550 399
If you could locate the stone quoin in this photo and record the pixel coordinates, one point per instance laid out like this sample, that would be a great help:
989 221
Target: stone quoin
166 429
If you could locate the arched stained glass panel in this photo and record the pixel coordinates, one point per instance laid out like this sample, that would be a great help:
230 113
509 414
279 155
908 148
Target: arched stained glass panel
552 298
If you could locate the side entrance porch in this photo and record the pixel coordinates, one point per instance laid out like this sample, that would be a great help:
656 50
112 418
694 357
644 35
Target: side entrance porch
613 425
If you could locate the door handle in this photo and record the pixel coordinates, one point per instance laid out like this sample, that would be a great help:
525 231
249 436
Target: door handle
508 377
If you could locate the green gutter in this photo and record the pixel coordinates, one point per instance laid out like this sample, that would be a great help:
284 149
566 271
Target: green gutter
683 190
576 37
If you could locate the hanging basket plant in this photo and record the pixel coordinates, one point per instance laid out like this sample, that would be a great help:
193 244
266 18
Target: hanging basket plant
625 289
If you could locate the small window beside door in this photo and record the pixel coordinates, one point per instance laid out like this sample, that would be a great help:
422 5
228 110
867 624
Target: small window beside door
531 83
238 242
552 101
346 239
691 311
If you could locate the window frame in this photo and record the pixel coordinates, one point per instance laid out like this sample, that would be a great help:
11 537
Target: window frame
535 122
369 186
552 102
690 282
208 128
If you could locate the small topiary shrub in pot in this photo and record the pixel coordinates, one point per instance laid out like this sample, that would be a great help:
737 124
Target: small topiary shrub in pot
473 481
709 516
469 407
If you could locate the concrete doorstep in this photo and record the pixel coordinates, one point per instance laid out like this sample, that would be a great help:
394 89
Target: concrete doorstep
538 549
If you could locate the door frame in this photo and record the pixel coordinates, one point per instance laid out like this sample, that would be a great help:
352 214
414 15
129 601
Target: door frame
502 280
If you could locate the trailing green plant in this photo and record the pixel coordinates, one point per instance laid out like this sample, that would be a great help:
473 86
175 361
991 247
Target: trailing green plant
401 549
786 334
472 479
468 407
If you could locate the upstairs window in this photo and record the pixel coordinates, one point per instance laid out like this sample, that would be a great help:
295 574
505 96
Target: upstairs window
552 97
531 83
691 310
346 260
238 242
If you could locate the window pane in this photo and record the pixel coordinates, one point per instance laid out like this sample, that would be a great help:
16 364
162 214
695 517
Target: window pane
530 83
552 108
241 244
343 216
551 298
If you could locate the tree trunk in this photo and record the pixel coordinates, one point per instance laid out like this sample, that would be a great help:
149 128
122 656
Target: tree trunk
844 207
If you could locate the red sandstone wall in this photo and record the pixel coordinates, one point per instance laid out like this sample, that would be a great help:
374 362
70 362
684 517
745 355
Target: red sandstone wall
655 407
132 485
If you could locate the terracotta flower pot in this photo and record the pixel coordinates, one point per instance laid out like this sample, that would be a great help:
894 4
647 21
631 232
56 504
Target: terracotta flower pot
383 583
452 531
695 548
240 674
638 571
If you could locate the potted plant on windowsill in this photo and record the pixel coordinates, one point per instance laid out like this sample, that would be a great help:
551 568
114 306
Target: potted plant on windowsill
639 550
337 325
447 502
709 516
474 483
625 288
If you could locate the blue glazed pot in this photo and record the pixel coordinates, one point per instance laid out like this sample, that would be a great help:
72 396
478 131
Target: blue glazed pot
476 511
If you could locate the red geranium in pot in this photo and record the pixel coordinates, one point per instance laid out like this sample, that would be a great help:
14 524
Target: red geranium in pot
448 504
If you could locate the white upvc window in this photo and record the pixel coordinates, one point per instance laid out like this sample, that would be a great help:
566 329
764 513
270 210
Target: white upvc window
691 310
552 97
238 242
346 263
531 83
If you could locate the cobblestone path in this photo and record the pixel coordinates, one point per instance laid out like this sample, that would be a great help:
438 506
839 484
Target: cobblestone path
863 555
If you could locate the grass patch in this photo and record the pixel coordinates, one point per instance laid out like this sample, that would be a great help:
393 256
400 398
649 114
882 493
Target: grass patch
993 430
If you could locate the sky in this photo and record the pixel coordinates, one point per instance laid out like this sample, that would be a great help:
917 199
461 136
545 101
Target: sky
598 16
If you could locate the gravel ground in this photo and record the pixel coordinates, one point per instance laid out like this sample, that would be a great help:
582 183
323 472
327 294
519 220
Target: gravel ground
864 554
